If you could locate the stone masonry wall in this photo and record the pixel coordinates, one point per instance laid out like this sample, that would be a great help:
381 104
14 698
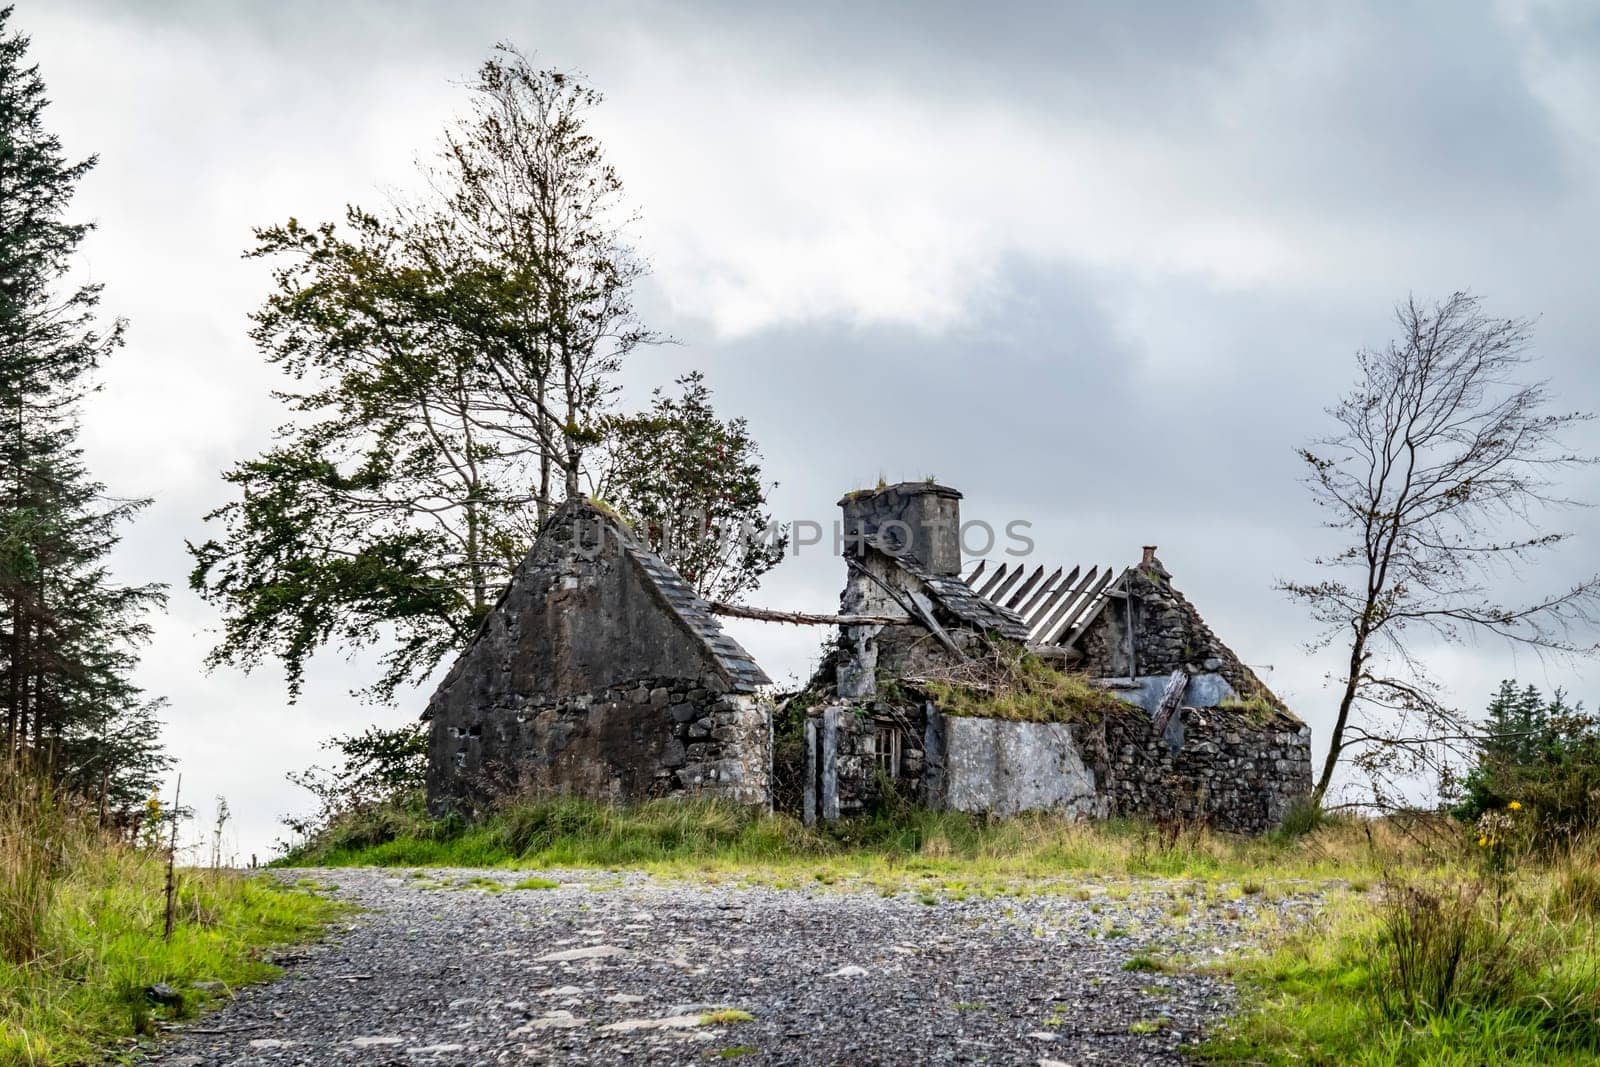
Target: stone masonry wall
646 738
599 675
1168 635
1232 772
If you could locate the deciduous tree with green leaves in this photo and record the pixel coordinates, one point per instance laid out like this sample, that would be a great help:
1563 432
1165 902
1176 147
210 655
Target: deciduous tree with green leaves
456 360
387 513
691 484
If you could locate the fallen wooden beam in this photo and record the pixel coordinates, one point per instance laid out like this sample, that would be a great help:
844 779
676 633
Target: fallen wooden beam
801 618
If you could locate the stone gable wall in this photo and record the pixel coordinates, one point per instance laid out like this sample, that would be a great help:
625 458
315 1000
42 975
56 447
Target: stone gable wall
585 680
1168 635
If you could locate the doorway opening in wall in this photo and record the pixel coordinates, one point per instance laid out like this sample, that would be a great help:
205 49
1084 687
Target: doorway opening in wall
886 749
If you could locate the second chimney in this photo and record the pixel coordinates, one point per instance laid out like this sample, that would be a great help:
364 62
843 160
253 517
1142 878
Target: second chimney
931 514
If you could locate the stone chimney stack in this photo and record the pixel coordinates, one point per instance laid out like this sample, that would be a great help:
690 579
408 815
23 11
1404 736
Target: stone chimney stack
1149 557
923 518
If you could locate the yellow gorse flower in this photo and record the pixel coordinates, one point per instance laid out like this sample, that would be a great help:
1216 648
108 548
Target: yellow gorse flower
1515 805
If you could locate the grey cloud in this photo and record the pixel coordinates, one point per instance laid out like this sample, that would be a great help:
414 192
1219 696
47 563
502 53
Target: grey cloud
1106 395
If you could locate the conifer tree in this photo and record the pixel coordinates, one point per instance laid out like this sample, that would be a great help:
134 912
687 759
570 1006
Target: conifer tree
68 631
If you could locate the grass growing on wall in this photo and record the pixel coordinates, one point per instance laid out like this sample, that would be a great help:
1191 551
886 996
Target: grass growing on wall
82 920
1257 710
1013 684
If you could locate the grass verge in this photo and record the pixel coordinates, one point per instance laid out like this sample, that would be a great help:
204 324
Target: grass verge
1446 968
82 991
906 849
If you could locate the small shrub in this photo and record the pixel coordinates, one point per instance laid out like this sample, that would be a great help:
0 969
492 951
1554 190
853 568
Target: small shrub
378 770
1302 818
726 1016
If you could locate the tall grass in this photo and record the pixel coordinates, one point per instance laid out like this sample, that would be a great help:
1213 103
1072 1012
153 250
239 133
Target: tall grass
81 918
1467 963
683 836
32 841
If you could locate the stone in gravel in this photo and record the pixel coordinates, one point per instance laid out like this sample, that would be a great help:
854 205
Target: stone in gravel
593 952
849 971
671 1022
562 991
270 1042
433 1050
373 1042
1054 1063
162 993
1042 1035
550 1020
625 998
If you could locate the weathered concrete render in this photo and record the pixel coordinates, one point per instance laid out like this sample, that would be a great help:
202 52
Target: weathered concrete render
1003 768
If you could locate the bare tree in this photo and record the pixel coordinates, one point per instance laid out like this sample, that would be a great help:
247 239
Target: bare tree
1444 458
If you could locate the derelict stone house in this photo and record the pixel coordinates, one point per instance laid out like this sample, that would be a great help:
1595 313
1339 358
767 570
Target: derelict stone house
1195 734
601 673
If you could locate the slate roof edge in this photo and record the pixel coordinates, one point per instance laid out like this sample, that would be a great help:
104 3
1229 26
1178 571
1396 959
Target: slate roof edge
738 667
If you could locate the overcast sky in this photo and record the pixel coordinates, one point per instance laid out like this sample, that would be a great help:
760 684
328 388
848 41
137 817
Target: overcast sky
1100 267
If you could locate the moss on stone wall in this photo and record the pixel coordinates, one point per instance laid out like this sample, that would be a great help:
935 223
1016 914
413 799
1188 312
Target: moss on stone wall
1258 710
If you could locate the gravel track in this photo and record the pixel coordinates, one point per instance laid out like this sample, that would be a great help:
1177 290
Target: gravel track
626 969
